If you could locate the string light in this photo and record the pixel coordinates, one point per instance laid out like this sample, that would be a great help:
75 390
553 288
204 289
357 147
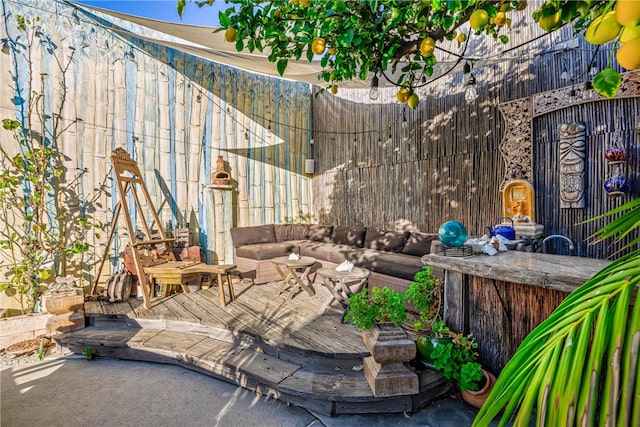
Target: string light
374 92
470 92
404 119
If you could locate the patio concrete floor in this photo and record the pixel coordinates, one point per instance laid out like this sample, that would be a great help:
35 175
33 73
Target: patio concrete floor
70 391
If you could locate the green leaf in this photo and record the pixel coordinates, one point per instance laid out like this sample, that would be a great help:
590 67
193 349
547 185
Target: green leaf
607 82
282 65
569 11
224 19
454 5
344 40
180 7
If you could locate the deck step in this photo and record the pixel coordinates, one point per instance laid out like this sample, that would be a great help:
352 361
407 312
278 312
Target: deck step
327 385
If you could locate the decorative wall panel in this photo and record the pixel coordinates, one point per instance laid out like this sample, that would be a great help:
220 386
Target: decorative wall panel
572 163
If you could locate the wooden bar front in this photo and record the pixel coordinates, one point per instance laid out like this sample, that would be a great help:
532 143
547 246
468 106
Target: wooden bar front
501 298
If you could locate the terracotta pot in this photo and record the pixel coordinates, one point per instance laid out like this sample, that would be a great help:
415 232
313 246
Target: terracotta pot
477 398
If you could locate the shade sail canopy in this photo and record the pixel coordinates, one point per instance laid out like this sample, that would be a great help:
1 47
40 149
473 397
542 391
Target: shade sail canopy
204 42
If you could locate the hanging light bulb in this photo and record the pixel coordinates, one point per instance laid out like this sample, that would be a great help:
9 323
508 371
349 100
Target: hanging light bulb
374 92
470 92
404 120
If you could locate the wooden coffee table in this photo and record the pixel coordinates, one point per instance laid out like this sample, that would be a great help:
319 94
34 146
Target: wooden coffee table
295 275
341 284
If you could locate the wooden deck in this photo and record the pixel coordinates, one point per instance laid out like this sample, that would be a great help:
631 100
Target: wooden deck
283 349
256 311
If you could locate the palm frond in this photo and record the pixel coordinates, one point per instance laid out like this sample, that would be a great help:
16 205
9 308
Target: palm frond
620 227
578 362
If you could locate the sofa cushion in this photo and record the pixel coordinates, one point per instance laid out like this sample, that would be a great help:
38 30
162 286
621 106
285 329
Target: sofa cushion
352 236
419 244
320 233
383 240
262 251
389 263
255 234
326 251
286 232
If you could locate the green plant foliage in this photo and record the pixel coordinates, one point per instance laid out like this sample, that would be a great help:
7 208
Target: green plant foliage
581 366
377 305
380 36
89 353
607 82
44 222
457 360
425 293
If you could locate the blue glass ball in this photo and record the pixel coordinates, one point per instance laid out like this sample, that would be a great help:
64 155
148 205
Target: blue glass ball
616 185
452 234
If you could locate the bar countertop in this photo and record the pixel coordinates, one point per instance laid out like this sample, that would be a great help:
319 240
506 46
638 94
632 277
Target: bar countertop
559 272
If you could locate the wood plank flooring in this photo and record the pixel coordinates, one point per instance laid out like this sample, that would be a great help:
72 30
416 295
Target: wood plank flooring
256 311
282 349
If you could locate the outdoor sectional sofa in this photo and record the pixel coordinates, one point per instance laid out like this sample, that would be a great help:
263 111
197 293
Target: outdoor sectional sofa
393 257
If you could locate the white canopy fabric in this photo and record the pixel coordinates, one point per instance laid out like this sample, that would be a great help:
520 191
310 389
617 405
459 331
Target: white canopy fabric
202 41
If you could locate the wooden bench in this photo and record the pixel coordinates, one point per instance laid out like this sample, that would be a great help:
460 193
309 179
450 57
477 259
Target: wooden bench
181 272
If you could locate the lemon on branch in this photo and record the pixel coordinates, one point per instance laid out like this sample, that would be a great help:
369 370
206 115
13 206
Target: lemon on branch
413 101
427 46
478 19
603 29
550 22
628 12
318 46
628 55
230 34
403 95
629 33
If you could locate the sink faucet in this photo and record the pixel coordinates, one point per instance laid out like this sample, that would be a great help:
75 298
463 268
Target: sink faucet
556 236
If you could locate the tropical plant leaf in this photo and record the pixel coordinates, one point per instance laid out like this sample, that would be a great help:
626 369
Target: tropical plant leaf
629 368
620 227
604 300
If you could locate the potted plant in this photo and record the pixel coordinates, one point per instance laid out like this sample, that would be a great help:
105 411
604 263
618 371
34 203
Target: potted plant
379 312
458 361
378 305
425 296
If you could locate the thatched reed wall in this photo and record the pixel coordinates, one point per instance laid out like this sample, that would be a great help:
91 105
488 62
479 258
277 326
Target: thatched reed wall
174 114
446 164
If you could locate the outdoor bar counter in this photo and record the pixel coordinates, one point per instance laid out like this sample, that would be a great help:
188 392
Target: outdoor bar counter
501 298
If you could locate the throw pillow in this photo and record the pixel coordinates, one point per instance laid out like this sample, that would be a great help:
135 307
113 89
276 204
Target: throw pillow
255 234
419 244
352 236
383 240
